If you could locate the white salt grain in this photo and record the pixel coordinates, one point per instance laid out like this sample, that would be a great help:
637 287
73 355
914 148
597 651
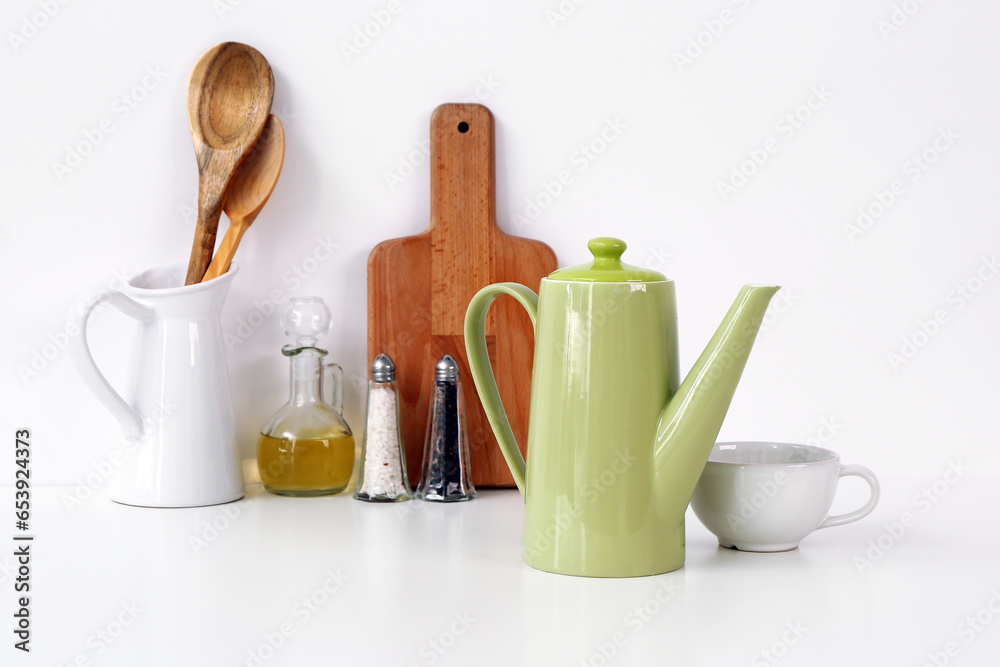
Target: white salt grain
382 472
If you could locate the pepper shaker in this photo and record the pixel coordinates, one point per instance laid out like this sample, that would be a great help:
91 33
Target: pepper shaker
383 468
445 475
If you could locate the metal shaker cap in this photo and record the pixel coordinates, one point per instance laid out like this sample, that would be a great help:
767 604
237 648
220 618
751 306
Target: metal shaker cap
446 369
383 370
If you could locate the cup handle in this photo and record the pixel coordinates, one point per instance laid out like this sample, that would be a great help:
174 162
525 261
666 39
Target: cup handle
867 475
482 372
129 420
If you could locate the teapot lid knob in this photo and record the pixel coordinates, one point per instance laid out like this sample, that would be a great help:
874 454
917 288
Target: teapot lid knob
607 250
607 267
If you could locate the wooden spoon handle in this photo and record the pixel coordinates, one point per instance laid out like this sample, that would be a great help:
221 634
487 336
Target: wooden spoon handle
227 249
209 210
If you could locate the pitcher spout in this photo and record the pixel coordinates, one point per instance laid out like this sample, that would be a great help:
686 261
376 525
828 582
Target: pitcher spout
692 418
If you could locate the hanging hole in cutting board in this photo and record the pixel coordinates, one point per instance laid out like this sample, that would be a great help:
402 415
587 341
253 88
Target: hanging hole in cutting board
463 127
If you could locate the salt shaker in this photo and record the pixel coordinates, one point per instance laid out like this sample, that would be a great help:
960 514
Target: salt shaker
383 468
445 475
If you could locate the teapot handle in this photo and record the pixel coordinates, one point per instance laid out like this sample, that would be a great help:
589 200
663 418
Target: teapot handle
482 372
129 420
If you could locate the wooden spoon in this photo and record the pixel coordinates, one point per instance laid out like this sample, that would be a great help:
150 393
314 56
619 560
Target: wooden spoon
229 99
250 190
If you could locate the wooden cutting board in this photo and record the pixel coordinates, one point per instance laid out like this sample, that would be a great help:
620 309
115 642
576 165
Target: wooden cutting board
420 286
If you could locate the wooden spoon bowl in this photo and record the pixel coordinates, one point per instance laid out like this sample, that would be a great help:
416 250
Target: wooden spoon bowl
229 100
249 191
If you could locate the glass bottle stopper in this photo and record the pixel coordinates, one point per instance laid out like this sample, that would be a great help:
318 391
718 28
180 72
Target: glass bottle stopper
306 320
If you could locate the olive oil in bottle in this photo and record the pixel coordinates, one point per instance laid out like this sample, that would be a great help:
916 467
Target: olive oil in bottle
307 449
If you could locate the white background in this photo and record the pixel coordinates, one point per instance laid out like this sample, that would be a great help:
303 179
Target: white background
350 120
821 368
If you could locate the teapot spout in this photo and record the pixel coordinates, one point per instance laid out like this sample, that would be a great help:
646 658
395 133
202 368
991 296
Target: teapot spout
692 418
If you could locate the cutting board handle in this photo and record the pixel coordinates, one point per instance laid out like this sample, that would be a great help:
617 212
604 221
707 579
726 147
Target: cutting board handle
463 174
463 226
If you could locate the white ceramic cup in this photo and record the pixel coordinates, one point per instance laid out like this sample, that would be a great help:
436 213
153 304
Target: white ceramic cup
767 496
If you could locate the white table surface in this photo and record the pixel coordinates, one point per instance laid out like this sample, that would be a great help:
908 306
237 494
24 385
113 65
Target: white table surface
332 581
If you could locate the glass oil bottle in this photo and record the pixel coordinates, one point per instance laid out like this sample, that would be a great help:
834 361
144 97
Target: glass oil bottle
307 448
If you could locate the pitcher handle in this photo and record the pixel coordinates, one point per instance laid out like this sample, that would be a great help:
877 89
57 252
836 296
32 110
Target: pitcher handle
482 372
129 420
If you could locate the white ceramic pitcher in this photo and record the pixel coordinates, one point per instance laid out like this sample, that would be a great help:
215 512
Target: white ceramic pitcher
180 434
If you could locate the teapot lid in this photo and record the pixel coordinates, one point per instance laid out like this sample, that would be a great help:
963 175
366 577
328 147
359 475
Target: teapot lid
607 266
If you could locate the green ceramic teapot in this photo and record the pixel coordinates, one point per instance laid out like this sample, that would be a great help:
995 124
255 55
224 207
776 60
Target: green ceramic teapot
616 443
